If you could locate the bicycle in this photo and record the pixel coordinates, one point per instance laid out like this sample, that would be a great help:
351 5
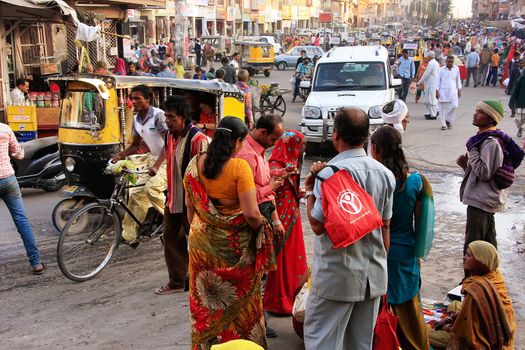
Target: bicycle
82 252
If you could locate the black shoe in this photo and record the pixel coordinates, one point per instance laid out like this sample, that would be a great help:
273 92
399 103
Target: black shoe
443 128
430 117
519 133
271 333
475 85
449 125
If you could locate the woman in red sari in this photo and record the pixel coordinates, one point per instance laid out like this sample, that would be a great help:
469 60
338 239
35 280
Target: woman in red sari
292 267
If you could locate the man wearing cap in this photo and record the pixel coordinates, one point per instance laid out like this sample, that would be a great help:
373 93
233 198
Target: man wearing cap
448 93
430 80
483 158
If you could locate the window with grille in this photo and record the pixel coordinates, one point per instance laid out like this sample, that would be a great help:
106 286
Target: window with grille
33 45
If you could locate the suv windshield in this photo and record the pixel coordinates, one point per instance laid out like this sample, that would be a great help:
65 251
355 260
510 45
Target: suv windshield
342 76
83 110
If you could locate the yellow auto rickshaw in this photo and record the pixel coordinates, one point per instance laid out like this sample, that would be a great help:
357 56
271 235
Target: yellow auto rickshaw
96 120
256 56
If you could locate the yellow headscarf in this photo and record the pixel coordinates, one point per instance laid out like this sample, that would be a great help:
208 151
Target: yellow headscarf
485 253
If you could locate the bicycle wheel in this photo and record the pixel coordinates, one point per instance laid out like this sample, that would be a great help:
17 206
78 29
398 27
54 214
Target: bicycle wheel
82 254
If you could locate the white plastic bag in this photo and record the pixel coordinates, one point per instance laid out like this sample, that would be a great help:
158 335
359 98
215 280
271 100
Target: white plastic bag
299 304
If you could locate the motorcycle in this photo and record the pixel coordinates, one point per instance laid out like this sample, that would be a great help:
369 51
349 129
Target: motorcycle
41 167
305 86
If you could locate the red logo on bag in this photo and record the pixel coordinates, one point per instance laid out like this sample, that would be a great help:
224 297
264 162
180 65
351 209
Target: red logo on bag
349 201
349 211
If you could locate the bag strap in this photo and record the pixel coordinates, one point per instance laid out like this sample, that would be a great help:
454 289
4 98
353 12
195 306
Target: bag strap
334 169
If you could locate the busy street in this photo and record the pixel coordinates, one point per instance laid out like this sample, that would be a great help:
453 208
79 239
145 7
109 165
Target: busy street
207 175
118 309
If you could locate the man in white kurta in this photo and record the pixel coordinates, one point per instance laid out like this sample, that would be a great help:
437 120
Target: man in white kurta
430 81
448 93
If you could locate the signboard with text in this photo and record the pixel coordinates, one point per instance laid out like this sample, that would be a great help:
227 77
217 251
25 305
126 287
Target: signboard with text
325 17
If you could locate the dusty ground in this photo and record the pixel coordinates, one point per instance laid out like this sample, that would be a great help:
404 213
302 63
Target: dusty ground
118 309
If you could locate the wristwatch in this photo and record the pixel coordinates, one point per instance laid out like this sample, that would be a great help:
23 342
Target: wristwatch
309 193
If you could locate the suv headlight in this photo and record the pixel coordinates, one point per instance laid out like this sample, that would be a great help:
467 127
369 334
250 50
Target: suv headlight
312 112
375 112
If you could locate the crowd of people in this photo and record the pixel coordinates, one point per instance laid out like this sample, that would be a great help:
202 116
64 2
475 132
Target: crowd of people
489 60
233 233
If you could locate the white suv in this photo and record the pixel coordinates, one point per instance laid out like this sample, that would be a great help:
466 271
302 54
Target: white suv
351 76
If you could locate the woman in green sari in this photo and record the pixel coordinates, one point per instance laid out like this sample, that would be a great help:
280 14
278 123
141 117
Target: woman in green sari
230 243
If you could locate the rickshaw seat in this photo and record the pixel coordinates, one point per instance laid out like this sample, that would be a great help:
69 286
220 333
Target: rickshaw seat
32 147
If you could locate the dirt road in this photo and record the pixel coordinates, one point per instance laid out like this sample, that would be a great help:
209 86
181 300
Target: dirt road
118 309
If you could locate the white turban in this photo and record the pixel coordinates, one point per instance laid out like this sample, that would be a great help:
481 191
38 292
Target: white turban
431 54
396 115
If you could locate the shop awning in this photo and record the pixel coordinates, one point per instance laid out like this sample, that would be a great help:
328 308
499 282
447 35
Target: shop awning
145 4
22 9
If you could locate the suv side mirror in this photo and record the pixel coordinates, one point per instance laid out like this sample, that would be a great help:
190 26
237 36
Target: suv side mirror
395 83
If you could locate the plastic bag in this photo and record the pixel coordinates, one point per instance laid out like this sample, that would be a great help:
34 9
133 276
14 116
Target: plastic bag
412 89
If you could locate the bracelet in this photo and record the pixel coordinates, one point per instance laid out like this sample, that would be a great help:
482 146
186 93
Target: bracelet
276 223
309 193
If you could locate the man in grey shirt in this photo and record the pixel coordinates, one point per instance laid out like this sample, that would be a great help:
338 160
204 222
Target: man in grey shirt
347 283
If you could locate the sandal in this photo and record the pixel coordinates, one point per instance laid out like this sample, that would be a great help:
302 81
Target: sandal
39 271
167 289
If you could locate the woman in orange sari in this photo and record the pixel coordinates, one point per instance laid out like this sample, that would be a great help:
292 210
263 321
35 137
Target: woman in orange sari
420 70
291 259
230 243
485 319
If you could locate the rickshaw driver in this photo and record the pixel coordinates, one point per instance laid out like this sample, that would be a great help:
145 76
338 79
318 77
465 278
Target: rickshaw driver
149 126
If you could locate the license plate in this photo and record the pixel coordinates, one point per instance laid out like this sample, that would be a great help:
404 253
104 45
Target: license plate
70 189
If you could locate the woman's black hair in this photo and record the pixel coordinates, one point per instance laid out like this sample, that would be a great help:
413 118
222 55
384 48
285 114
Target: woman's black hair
388 144
221 148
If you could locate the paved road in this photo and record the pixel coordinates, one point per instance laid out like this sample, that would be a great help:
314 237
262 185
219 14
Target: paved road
119 310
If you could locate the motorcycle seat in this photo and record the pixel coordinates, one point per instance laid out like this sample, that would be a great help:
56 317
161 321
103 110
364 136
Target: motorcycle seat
32 147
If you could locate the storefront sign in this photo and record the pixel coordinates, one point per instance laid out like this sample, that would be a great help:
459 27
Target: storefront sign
221 13
287 12
113 51
210 13
303 13
230 14
128 52
325 17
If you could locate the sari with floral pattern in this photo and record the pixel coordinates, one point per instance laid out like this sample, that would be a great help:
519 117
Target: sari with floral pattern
292 271
226 262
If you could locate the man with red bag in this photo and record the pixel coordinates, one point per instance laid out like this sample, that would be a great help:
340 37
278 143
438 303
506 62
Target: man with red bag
347 282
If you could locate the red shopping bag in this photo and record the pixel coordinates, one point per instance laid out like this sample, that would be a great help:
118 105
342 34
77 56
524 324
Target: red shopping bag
385 337
349 211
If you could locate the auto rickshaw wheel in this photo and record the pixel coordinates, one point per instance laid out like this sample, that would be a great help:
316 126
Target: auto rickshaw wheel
64 210
267 73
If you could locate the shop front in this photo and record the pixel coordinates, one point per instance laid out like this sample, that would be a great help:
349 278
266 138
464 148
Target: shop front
32 46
